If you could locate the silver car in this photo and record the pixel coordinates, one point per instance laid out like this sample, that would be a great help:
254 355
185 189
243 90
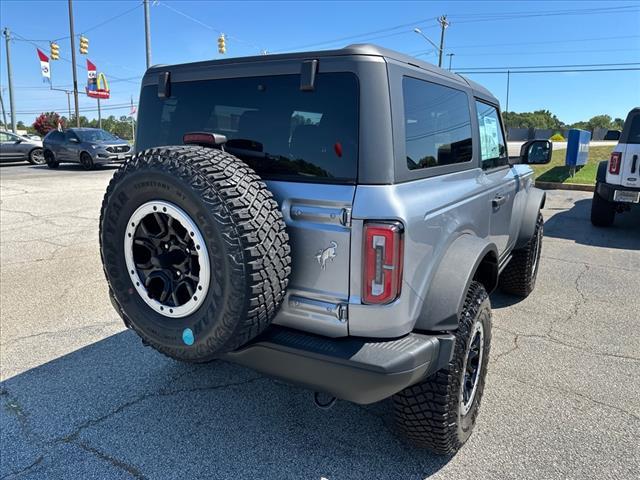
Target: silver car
14 148
87 146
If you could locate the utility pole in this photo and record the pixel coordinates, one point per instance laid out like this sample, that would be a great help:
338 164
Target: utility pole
4 115
450 55
99 115
7 38
508 78
443 25
147 31
73 63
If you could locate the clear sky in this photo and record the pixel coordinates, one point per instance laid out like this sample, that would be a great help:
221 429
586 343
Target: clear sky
481 34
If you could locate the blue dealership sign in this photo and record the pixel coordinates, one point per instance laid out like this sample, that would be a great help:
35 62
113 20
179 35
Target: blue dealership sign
577 148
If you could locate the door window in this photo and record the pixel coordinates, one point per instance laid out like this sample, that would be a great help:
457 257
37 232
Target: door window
493 148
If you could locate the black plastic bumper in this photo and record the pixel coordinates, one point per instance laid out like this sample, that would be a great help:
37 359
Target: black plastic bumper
360 370
607 190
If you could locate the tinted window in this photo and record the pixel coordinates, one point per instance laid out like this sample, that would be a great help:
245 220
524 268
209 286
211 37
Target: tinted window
4 137
437 124
280 131
634 130
94 135
493 148
54 136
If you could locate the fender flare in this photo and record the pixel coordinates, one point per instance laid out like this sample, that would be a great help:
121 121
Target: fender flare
535 201
601 176
444 300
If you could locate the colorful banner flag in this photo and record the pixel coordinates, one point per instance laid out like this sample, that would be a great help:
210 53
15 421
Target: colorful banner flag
97 85
133 109
44 66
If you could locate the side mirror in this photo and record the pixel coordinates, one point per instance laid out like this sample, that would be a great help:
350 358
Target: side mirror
18 141
536 152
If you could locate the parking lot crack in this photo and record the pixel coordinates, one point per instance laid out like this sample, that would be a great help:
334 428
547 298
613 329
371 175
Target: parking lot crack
24 470
579 395
130 469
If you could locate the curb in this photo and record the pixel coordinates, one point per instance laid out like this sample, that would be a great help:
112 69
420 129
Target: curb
565 186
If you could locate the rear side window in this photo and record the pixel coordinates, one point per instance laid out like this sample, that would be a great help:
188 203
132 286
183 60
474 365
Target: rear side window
280 131
493 148
437 124
54 136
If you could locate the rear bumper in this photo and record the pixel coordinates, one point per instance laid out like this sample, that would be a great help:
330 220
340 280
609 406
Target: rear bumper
607 190
356 369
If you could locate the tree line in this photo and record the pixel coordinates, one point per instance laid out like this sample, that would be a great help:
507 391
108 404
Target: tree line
544 119
45 122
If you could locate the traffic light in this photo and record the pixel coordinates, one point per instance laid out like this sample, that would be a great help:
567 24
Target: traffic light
84 45
222 46
55 51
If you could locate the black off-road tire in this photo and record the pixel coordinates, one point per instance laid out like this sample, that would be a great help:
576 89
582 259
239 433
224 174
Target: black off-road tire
430 413
245 237
519 276
50 158
603 212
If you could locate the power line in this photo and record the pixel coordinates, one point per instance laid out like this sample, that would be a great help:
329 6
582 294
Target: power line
207 26
551 71
574 65
365 34
517 15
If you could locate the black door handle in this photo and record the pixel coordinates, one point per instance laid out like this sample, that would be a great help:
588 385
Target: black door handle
633 165
498 200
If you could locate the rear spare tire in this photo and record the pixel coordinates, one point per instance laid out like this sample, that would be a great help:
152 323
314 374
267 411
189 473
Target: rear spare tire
194 249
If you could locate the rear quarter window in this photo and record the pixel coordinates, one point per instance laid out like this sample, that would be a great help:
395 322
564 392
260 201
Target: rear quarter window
437 124
631 132
280 131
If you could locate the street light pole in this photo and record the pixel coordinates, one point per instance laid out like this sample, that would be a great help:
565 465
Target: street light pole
7 38
419 32
450 55
508 78
73 64
147 31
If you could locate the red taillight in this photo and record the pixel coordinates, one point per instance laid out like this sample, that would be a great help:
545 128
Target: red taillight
614 163
382 269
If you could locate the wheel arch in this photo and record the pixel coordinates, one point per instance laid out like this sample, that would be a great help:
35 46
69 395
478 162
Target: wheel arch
535 202
467 259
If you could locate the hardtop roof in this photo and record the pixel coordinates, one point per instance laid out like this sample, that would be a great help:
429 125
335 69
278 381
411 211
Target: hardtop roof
354 49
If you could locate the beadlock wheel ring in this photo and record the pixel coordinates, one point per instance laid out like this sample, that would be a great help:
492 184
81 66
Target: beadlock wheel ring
167 259
472 368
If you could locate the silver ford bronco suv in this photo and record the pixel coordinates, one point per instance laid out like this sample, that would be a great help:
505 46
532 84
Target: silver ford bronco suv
334 219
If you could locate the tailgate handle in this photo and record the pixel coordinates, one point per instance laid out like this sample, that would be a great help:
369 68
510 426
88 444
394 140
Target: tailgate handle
498 200
635 162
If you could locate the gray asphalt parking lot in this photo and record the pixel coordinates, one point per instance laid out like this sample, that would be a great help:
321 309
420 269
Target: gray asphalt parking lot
82 398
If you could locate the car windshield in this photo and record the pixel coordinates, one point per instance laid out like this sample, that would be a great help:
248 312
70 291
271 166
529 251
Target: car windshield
94 135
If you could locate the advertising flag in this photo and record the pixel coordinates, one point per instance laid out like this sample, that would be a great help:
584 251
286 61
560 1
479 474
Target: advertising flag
97 86
44 66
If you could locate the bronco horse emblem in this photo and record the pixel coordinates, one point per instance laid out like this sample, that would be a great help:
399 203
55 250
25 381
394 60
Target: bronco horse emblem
327 254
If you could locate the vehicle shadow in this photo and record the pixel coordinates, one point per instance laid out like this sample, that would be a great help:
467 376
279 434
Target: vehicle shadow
74 167
575 224
156 418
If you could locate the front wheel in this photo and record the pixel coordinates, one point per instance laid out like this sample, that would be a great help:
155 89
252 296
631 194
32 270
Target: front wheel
519 276
86 161
36 157
440 412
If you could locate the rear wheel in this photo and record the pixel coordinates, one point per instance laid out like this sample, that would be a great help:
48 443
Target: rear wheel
86 161
519 276
195 251
50 159
36 157
603 212
439 413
